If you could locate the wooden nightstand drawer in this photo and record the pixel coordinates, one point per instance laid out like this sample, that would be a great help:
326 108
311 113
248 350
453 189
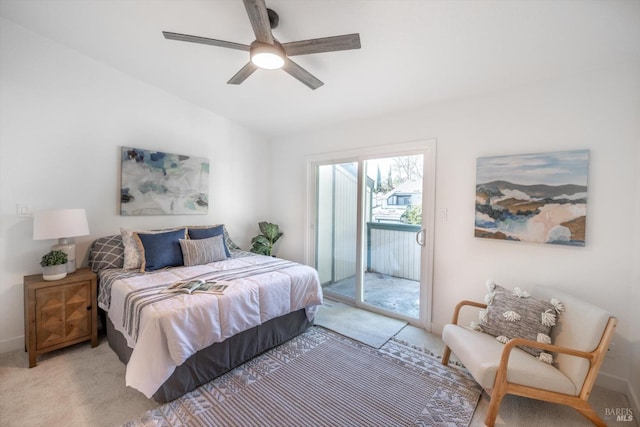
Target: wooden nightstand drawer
59 313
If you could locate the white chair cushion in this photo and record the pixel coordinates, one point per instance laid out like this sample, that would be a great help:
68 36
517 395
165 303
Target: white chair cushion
480 354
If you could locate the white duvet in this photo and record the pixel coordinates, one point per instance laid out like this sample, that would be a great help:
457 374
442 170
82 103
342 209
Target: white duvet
172 330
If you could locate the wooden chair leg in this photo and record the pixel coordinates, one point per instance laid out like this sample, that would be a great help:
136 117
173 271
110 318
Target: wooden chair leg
498 393
590 414
446 355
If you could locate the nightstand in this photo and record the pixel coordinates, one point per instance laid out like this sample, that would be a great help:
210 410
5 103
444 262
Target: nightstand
59 313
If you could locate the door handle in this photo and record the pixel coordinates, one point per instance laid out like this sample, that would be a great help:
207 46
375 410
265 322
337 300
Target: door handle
420 237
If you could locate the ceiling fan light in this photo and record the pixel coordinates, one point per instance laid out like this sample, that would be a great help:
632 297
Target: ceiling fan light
266 56
268 61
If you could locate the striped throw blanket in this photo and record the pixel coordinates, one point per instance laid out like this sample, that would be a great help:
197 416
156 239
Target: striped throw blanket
136 300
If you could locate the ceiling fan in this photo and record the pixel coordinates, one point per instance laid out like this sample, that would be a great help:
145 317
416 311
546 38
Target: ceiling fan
268 53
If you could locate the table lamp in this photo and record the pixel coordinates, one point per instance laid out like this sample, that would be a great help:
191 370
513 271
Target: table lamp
64 225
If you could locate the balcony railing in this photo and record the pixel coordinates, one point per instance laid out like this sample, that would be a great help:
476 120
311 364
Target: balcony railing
392 250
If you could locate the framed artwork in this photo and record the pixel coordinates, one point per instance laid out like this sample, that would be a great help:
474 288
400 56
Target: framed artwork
157 183
539 198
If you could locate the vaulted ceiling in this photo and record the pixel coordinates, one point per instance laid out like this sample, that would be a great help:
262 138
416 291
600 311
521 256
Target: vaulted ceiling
414 52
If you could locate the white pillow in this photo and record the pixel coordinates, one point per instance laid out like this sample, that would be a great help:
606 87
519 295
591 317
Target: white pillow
132 256
203 251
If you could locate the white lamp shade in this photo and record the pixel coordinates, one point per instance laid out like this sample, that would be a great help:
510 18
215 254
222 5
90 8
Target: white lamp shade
60 223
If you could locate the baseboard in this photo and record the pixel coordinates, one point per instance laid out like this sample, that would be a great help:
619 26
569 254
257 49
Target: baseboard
620 385
435 328
11 344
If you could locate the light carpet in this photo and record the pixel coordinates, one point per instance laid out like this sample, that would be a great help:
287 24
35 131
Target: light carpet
364 326
321 378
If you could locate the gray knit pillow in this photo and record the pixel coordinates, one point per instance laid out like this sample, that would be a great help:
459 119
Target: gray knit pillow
203 251
515 314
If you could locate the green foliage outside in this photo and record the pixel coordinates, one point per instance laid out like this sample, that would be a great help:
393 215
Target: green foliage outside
404 168
413 215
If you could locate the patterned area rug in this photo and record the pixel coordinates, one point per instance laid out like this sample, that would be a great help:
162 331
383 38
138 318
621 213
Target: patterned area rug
321 378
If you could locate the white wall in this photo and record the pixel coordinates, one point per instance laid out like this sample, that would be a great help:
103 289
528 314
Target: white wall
64 119
598 111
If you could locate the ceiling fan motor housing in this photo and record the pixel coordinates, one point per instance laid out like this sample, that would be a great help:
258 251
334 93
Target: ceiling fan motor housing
274 19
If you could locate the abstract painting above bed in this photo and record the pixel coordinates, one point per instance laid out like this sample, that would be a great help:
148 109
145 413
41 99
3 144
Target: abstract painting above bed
157 183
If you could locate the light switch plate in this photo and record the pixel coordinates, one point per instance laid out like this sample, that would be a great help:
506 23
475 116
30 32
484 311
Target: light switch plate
24 211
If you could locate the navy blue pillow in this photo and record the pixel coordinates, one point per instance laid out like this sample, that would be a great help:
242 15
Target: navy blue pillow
205 233
161 250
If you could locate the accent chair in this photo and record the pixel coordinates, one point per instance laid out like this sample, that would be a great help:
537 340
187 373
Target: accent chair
580 340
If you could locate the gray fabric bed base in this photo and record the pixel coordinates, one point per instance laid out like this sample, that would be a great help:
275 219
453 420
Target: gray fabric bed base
218 358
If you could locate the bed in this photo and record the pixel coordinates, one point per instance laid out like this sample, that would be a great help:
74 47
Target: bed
175 342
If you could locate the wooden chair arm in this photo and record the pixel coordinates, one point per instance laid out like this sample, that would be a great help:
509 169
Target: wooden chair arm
456 311
504 359
595 357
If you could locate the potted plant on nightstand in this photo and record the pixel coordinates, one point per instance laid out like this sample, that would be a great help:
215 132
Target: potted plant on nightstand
54 265
263 243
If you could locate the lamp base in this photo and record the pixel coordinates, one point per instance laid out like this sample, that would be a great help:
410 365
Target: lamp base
67 246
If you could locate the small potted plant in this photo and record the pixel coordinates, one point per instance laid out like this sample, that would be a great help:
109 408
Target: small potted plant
263 243
54 265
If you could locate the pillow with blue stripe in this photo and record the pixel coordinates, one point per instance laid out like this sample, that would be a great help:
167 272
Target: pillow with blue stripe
207 233
203 251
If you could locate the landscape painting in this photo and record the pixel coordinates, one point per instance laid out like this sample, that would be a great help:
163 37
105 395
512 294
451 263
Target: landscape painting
540 198
157 183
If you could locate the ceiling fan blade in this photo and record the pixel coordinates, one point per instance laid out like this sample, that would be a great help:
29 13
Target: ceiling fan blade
257 11
204 40
301 74
324 44
241 75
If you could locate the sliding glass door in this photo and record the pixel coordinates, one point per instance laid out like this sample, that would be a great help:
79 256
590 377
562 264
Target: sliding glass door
370 243
394 235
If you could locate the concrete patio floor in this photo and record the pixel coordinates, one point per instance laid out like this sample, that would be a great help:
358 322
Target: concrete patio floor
390 293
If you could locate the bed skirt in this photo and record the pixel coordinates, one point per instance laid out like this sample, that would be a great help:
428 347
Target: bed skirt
218 358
